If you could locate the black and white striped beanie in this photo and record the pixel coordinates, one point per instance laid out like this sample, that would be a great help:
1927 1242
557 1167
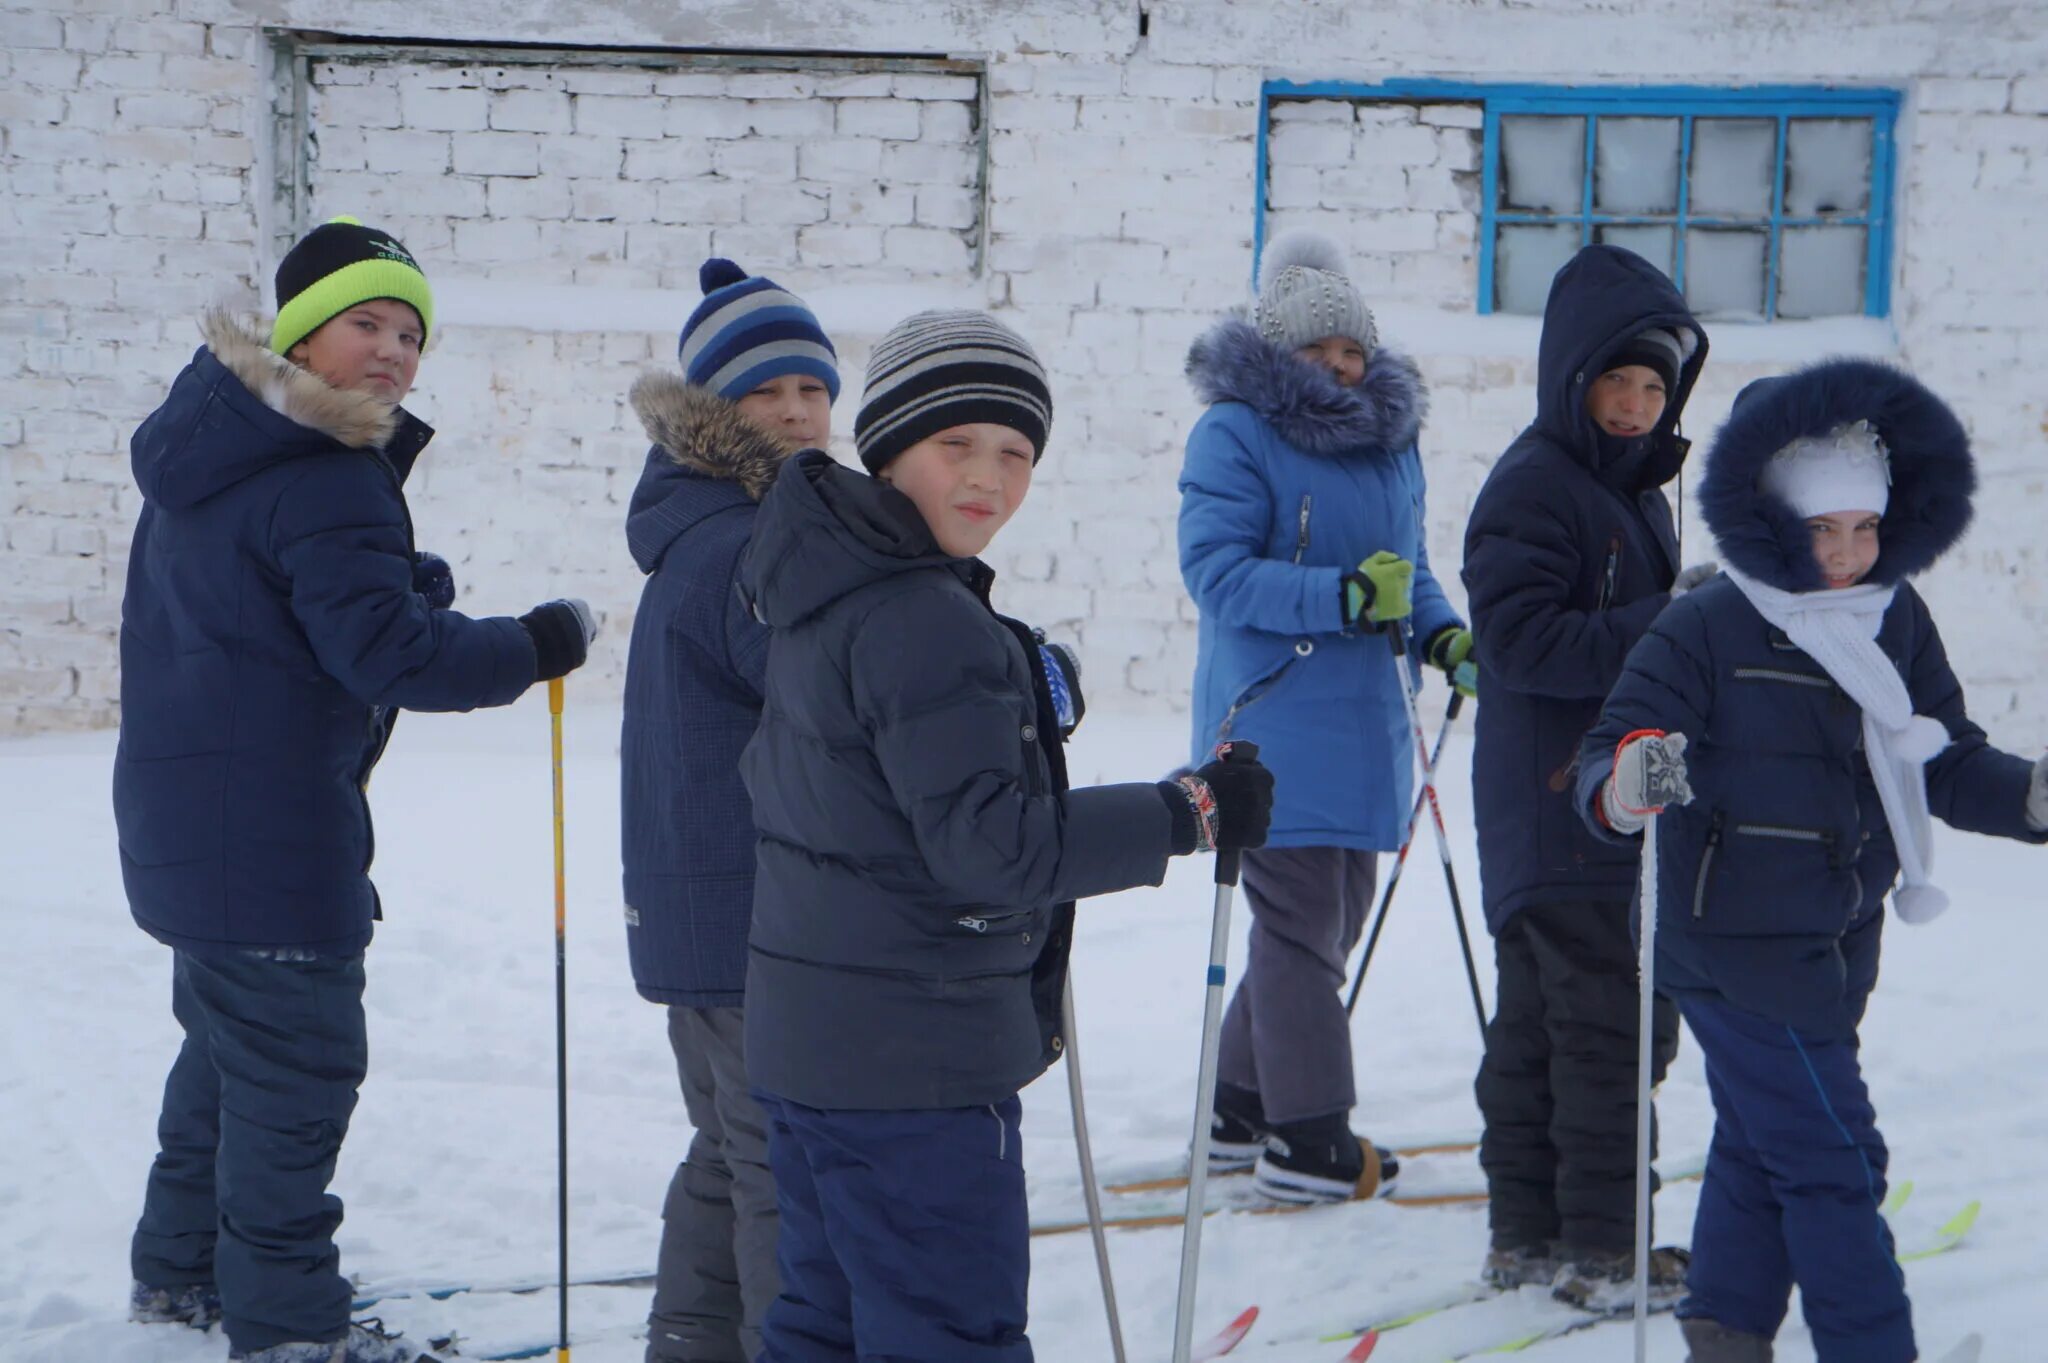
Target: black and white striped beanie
936 370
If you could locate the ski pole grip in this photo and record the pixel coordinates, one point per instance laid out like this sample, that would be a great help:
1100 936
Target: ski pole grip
1395 639
1230 863
1457 704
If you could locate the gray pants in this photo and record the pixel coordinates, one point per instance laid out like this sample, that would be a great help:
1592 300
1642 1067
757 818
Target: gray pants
716 1274
1286 1035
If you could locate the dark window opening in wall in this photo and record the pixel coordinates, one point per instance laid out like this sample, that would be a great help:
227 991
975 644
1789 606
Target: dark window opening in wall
1762 204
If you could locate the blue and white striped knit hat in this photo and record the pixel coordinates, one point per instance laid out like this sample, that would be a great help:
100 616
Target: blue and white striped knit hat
749 330
936 370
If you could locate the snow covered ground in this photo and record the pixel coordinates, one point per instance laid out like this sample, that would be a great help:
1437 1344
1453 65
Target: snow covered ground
448 1173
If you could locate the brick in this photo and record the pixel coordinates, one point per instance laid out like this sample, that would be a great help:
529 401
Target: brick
1468 116
1154 81
612 201
20 29
1310 144
890 118
769 245
538 111
755 160
355 106
492 242
47 70
495 153
877 205
770 85
944 122
837 246
917 163
840 160
2030 95
1943 95
789 117
690 83
405 153
630 83
143 71
445 110
236 225
669 159
937 87
786 206
668 247
946 206
868 85
701 118
576 155
209 75
538 197
717 202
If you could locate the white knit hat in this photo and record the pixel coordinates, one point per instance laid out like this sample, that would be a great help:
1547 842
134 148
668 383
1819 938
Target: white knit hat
1305 294
1847 469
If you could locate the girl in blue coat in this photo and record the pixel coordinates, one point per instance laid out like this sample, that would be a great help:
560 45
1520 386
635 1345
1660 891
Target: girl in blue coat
1814 726
1301 541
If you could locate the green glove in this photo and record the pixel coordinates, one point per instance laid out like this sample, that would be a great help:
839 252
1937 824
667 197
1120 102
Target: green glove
1451 650
1379 590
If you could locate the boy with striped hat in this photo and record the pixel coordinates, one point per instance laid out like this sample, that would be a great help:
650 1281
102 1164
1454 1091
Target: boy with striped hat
919 856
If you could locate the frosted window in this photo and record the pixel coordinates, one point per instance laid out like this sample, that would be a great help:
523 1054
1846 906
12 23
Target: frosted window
1525 261
1827 166
1724 273
1636 165
1820 271
1734 161
1651 243
1543 165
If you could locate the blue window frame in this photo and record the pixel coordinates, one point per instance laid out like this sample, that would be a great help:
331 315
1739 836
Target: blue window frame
1760 202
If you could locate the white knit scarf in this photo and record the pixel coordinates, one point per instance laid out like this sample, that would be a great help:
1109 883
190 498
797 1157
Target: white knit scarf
1838 630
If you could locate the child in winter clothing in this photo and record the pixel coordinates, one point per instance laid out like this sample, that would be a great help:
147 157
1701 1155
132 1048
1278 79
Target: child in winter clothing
1569 555
1814 725
1301 542
758 380
919 856
277 617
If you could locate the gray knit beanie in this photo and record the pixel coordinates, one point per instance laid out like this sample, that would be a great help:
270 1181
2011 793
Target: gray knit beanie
936 370
1305 294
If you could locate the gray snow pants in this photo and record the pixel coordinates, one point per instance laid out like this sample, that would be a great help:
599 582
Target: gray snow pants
1286 1035
715 1276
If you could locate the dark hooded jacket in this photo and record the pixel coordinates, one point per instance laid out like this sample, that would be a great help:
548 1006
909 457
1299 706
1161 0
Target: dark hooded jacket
1290 480
919 851
1770 882
1569 555
693 696
268 632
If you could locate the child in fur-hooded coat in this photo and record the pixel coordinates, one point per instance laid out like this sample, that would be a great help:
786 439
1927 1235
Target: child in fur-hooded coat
1304 466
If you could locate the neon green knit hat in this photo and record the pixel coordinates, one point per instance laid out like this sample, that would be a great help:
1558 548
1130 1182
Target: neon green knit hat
334 267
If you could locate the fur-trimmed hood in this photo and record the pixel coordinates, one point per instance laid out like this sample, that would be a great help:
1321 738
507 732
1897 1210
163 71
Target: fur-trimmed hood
702 431
240 406
1933 472
1309 409
706 459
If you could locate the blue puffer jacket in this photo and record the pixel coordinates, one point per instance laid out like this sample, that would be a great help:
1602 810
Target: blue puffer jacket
693 696
269 630
1784 853
1290 480
918 849
1569 555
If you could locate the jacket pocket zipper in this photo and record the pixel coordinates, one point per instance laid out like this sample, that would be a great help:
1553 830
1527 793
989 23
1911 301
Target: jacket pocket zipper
1301 533
1252 695
1609 574
1781 675
1699 889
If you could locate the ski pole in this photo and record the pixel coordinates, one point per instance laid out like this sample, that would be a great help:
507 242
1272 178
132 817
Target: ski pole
1091 1192
1398 642
1645 1048
1379 922
561 1035
1228 864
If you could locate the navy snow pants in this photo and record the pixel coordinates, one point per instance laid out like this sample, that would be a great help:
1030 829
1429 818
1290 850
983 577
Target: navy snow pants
905 1238
254 1111
1795 1178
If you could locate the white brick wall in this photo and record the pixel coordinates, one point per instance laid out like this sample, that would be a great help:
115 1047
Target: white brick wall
562 212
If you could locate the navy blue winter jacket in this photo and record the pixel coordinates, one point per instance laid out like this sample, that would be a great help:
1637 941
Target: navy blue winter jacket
693 696
1784 851
1569 555
918 849
268 633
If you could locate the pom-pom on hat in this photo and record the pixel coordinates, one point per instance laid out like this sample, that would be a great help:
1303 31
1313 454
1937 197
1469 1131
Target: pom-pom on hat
1305 294
936 370
337 265
750 330
1846 469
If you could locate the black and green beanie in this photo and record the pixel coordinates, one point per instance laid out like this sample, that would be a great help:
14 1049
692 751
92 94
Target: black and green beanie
337 265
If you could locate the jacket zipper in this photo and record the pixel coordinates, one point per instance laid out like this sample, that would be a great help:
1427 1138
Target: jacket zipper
1699 891
1252 695
1780 675
1609 574
1301 535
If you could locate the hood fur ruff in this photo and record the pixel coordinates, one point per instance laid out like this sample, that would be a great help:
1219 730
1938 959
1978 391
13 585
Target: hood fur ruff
1933 473
357 420
704 432
1309 409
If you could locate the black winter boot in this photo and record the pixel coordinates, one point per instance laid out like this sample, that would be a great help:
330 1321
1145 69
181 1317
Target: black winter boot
1709 1341
1237 1129
1320 1160
1523 1266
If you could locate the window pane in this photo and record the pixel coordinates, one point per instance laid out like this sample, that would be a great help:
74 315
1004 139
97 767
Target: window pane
1820 271
1524 260
1827 166
1724 273
1651 243
1543 165
1733 163
1636 165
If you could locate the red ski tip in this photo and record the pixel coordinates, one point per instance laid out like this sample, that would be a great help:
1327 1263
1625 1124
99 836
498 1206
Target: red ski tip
1362 1350
1226 1339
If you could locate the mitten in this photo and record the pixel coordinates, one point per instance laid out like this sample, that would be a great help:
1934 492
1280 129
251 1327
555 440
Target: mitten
1450 648
2037 797
561 633
433 579
1378 590
1063 678
1224 806
1649 773
1688 578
